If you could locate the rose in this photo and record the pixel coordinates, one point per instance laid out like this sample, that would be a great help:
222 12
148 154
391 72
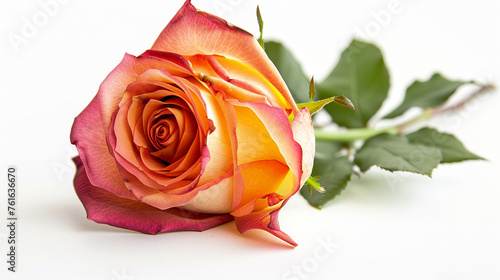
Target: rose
195 132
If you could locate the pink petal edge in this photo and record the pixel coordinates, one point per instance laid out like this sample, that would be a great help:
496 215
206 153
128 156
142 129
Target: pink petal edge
89 137
104 207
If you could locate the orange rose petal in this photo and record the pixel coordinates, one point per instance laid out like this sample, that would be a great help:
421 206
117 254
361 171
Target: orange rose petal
255 142
138 135
155 196
259 184
182 89
187 167
167 180
177 103
150 108
166 154
218 69
144 90
192 155
136 107
277 124
196 95
89 138
172 132
124 143
150 161
193 32
141 173
188 135
200 65
154 80
166 200
162 130
148 90
126 168
134 118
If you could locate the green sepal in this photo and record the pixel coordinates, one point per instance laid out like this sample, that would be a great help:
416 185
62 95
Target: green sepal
313 183
261 27
315 106
312 89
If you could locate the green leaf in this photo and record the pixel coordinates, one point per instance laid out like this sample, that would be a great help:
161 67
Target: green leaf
334 171
397 153
428 94
362 76
452 149
315 106
261 27
290 70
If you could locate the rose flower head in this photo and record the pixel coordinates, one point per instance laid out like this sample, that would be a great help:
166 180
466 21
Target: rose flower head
195 132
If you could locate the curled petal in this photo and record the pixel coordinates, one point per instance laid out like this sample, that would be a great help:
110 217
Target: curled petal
172 57
265 220
264 196
303 133
104 207
193 32
232 91
246 78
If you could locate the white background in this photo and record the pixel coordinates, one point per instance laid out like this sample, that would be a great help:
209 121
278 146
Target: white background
384 226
